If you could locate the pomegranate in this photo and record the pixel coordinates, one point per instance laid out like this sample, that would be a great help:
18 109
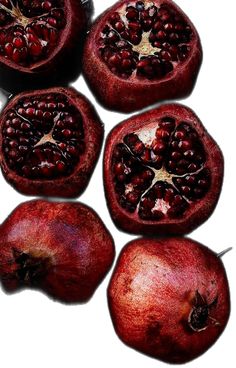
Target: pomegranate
39 38
61 248
141 52
169 298
162 172
50 141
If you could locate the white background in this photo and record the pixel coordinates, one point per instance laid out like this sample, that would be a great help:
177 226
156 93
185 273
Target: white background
37 332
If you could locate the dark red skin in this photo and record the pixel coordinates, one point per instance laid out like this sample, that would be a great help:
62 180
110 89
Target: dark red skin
74 184
128 95
15 77
73 249
152 292
197 213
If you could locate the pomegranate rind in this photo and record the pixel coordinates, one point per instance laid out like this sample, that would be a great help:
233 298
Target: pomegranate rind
199 211
128 95
152 291
70 235
67 186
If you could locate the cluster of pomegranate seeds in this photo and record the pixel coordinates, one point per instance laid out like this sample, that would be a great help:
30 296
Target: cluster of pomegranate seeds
145 39
43 137
160 169
29 31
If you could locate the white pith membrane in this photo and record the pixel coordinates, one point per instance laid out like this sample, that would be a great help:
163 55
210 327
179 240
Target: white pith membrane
29 31
159 171
43 136
144 40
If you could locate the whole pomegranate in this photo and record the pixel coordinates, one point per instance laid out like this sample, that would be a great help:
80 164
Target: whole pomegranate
50 141
169 298
64 249
39 38
162 172
141 52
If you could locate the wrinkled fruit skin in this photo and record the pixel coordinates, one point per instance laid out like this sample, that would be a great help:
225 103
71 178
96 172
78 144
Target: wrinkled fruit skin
169 298
144 57
163 172
40 39
50 141
63 249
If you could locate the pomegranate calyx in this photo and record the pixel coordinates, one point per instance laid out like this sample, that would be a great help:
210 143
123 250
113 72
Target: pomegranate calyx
200 314
30 268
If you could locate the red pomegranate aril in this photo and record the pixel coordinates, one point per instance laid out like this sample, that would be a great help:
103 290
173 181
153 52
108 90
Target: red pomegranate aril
59 143
35 49
150 155
148 76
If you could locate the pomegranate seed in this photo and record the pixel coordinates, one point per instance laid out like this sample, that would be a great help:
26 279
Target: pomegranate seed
175 155
114 60
9 49
134 26
61 166
35 49
16 56
10 131
169 195
192 167
119 26
25 126
126 63
18 42
148 203
132 197
53 35
67 133
135 38
47 115
158 146
161 35
180 134
52 22
198 192
162 133
185 145
185 190
46 5
13 144
159 191
131 13
203 183
147 24
146 156
30 111
165 55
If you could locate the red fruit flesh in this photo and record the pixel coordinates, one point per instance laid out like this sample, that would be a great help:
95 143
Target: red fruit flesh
138 53
162 172
36 37
169 298
61 248
50 141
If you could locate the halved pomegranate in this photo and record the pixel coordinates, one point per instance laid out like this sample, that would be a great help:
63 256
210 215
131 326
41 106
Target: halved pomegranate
162 172
50 141
169 298
141 52
37 37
